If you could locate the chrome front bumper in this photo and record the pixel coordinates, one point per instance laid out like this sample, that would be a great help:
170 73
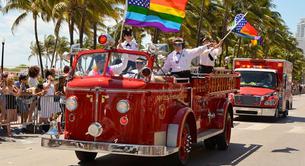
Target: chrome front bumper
254 111
125 149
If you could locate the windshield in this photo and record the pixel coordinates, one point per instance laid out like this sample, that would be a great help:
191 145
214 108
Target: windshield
258 79
91 64
120 64
134 65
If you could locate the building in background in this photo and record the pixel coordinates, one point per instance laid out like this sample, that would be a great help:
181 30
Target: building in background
300 35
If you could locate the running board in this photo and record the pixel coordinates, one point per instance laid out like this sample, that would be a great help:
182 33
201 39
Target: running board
208 134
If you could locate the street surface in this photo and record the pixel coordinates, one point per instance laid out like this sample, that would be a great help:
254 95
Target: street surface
255 142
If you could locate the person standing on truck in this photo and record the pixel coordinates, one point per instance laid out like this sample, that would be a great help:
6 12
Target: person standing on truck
179 61
129 44
209 56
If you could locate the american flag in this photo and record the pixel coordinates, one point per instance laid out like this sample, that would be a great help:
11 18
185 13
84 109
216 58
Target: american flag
241 21
140 3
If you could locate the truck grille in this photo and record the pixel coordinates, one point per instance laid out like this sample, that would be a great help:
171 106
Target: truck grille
247 100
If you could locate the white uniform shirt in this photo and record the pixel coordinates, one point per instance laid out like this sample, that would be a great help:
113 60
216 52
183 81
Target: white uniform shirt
205 59
181 61
131 46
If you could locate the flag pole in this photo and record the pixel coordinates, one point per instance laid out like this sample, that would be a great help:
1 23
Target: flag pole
123 21
233 27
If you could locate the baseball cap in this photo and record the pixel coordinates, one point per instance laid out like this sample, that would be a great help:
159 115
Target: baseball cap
178 40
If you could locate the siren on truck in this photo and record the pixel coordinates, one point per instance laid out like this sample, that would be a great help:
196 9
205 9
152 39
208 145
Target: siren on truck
106 40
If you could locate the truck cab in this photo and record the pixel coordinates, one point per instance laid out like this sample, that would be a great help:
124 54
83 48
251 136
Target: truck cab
265 87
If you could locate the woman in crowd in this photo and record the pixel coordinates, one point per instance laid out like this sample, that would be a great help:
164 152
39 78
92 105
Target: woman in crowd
33 84
10 113
47 104
3 82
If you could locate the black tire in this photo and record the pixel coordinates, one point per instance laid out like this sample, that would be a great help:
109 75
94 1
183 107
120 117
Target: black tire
276 114
182 157
223 139
210 143
85 156
285 114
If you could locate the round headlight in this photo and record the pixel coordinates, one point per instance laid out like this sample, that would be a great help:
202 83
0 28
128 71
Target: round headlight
71 103
122 106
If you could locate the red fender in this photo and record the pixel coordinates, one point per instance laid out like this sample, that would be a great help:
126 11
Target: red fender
174 131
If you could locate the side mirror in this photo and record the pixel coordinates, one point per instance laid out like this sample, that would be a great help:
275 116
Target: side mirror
146 72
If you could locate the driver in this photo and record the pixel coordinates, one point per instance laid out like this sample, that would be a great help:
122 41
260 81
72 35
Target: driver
117 69
140 64
267 80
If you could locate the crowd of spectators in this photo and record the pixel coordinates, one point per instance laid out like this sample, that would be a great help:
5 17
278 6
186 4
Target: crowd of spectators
23 95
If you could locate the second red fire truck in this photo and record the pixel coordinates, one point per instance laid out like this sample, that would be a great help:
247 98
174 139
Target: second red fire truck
265 87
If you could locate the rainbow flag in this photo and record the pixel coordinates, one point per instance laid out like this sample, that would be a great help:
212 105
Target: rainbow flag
243 28
166 15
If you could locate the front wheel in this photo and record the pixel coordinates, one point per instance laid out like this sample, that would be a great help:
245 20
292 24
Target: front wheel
85 156
223 140
182 157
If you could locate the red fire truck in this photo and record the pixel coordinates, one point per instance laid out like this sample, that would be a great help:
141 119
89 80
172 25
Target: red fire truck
265 87
144 116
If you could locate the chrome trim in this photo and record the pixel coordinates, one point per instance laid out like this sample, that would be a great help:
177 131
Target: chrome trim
125 149
222 92
260 111
127 90
172 135
96 107
208 134
192 93
160 138
181 79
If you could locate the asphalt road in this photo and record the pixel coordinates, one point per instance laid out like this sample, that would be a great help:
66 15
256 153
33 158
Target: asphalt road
255 142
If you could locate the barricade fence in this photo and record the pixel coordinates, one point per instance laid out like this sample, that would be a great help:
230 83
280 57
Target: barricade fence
30 110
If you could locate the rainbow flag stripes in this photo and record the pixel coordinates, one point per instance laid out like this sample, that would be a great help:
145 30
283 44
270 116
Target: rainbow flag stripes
166 15
244 29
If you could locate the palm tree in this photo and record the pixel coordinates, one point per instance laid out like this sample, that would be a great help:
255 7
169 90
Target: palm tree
27 7
62 47
35 51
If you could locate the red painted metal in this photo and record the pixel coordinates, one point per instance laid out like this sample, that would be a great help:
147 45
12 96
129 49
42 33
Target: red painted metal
153 105
283 87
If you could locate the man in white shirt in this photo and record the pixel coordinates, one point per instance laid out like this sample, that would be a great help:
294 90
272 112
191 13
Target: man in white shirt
179 61
129 44
208 57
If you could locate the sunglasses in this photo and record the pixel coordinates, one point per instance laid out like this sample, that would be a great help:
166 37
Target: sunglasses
99 61
178 44
141 63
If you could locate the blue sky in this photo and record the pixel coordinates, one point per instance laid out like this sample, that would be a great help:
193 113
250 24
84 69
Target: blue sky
17 45
292 11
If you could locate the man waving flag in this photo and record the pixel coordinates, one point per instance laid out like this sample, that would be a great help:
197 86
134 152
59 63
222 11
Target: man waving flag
166 15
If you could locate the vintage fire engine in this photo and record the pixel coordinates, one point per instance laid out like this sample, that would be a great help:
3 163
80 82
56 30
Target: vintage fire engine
265 87
149 115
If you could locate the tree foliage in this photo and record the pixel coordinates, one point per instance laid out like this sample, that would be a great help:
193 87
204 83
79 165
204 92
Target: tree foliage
87 18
